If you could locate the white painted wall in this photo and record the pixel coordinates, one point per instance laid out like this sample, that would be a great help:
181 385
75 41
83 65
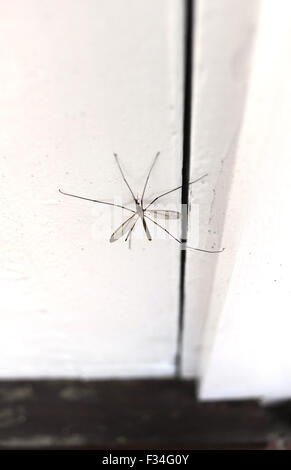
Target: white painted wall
79 80
246 347
224 41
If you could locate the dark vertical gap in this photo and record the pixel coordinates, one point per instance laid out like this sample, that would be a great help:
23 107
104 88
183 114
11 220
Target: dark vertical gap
187 114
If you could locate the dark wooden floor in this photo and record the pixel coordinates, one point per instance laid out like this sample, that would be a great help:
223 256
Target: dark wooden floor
145 414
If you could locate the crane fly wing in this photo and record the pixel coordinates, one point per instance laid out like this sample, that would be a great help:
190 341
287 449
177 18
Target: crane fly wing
130 230
124 228
149 237
164 214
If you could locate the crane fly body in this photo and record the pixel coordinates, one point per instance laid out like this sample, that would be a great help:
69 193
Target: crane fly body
143 212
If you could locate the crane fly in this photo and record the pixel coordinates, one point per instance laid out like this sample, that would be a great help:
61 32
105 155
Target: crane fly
143 212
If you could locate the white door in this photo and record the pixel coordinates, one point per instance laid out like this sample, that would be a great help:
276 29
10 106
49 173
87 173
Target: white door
238 306
79 81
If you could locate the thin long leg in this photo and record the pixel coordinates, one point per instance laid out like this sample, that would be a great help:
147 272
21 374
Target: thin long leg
129 242
147 180
123 177
180 241
175 189
95 200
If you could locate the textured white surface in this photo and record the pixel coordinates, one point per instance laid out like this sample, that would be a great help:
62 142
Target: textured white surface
238 304
79 80
223 49
251 349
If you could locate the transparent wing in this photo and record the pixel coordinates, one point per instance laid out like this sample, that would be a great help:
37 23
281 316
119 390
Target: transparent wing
164 214
124 228
130 231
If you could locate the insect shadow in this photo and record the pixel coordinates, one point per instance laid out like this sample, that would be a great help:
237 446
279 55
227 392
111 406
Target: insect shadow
143 213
